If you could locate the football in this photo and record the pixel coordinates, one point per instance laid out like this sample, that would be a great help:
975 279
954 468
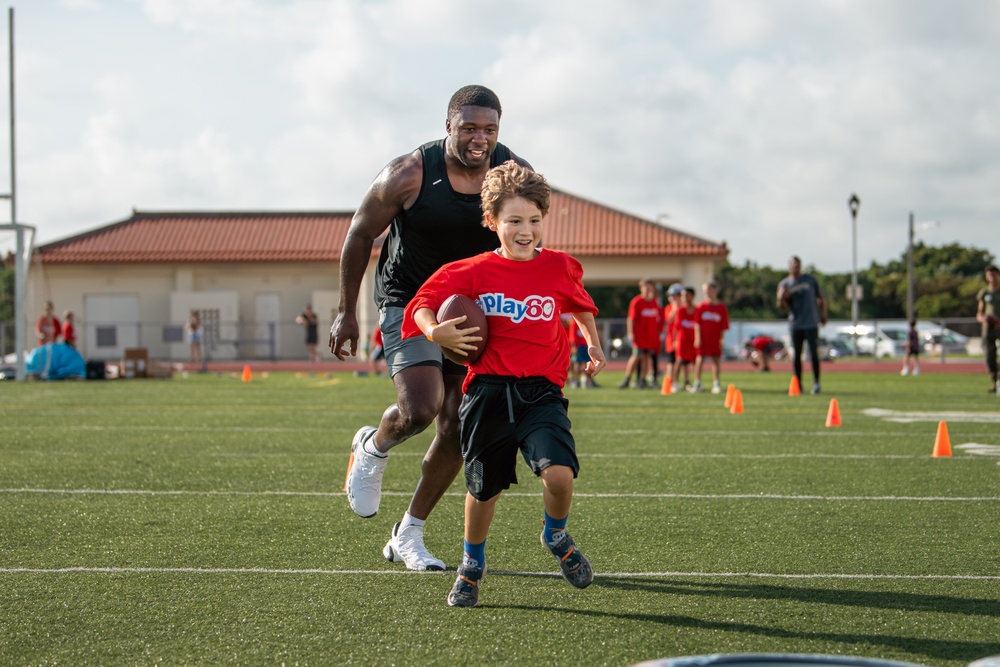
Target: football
457 305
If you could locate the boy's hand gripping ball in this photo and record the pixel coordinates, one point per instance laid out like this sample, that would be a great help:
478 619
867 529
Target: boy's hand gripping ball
458 305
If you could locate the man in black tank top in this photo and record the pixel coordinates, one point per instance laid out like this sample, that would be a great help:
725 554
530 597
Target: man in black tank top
429 201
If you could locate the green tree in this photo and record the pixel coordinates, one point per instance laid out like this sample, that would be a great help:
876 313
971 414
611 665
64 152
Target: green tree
6 292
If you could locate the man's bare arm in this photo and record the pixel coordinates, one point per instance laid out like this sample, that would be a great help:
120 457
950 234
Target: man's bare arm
393 190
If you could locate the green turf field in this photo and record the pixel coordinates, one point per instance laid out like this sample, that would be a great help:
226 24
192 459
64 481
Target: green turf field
200 520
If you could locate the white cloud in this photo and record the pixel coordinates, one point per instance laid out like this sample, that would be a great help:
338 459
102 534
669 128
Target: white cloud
750 122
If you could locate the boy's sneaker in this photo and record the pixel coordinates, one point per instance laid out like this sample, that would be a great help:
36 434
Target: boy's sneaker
364 478
465 592
575 567
407 546
697 388
815 389
716 388
675 388
624 383
904 372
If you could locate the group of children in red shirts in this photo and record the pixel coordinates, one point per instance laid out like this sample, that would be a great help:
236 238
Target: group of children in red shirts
690 333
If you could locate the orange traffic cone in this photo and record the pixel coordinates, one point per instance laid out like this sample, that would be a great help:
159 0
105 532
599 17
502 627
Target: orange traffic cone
833 415
667 387
793 387
247 376
737 407
350 463
942 443
730 395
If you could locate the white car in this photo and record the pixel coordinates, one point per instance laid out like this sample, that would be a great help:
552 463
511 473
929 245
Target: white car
883 343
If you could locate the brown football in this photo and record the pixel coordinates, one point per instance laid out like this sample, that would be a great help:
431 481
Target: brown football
457 305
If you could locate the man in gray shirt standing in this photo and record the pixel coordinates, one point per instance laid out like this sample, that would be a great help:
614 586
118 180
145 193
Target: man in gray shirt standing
800 294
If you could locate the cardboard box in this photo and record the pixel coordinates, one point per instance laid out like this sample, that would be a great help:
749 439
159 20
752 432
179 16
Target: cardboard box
135 363
161 370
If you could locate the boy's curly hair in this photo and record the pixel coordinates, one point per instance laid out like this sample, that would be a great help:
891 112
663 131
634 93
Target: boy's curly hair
511 180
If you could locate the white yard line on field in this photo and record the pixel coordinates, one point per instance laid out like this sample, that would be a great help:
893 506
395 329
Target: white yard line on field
393 572
407 494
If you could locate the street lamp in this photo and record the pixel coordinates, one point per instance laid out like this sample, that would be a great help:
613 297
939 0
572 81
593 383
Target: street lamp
910 293
854 204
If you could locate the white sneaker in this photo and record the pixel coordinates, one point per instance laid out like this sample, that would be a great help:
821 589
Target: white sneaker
364 479
716 388
675 388
407 546
905 372
916 372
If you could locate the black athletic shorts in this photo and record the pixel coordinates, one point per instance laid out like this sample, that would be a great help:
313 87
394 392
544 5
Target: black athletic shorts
501 415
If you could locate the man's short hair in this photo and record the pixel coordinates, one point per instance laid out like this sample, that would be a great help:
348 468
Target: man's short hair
992 268
474 96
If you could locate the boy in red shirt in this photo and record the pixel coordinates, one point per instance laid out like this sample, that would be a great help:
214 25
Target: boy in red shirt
645 321
686 342
513 392
48 328
713 320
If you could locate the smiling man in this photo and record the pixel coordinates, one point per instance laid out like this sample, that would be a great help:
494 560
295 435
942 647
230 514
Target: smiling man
429 200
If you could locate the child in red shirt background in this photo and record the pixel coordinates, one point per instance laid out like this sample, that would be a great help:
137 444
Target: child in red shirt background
713 321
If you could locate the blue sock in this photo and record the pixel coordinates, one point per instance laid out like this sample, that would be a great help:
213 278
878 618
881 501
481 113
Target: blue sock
553 526
474 554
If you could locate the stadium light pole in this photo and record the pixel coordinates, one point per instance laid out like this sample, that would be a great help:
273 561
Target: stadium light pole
854 204
910 292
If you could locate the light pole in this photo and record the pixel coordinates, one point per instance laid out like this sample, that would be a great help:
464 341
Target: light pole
854 204
910 292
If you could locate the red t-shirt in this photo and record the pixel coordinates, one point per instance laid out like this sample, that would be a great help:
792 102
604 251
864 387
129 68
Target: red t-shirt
684 324
69 333
523 301
50 329
647 321
576 338
713 320
669 342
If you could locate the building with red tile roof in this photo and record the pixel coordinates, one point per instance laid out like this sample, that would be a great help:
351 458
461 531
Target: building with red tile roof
133 283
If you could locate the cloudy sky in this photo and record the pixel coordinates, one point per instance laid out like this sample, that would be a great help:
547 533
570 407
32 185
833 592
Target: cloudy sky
749 121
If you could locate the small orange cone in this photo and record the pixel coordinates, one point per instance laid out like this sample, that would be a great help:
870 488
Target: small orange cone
350 463
737 407
667 387
730 395
833 415
942 443
793 387
246 373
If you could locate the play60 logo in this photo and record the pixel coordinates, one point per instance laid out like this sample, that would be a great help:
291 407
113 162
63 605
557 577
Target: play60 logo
531 308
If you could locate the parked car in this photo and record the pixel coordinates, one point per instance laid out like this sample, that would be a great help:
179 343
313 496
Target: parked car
883 343
947 342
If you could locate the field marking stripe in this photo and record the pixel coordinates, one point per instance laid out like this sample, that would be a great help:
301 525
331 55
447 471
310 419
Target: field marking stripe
682 496
601 575
978 450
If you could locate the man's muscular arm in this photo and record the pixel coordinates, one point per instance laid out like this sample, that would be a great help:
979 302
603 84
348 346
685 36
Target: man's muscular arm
393 191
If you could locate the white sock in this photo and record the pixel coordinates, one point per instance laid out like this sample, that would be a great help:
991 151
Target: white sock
369 447
410 521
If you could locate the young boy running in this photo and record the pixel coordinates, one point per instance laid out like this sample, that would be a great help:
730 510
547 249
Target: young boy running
686 341
713 320
513 393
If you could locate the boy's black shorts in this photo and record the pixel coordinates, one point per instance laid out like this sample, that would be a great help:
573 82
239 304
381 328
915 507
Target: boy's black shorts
502 414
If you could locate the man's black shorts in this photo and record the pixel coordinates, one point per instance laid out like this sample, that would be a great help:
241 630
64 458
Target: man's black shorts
501 415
